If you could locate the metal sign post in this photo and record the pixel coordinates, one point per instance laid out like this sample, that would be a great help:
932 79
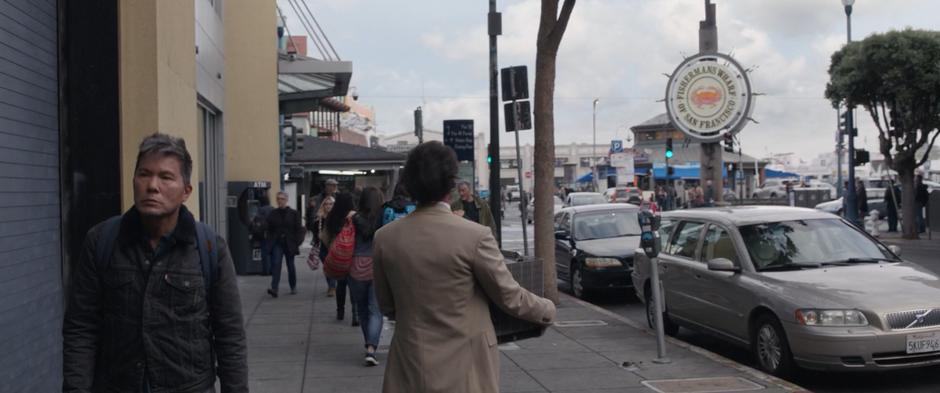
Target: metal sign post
523 198
516 87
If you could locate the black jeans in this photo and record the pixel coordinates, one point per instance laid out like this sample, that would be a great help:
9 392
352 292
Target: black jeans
279 254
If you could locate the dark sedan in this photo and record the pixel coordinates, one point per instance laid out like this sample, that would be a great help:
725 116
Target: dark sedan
594 246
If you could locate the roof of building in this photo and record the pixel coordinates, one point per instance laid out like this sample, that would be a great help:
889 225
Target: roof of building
658 121
320 152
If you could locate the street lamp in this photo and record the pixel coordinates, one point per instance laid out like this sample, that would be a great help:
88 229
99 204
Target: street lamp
851 200
594 145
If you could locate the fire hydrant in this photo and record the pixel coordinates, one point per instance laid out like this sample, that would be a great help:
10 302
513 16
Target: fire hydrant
871 223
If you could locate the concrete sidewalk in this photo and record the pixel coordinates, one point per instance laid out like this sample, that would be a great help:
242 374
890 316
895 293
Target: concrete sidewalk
295 344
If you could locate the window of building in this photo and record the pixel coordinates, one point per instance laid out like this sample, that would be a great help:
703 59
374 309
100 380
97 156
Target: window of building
507 164
585 162
560 162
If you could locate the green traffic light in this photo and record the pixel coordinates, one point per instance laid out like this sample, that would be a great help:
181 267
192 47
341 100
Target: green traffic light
668 153
489 159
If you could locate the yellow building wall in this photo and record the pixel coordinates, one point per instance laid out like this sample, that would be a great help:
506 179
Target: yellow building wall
157 82
251 102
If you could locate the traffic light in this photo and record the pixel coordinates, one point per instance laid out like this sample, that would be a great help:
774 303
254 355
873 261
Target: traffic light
669 153
862 157
419 125
729 143
844 121
489 154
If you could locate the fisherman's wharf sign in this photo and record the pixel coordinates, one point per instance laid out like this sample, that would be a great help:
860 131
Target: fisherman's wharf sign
708 96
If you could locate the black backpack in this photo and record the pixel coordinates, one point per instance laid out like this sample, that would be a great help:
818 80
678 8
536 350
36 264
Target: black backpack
208 255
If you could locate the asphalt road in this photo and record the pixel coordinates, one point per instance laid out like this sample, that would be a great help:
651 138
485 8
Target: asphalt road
923 380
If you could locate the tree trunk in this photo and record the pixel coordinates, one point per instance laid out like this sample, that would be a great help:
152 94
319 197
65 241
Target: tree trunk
905 171
545 169
552 25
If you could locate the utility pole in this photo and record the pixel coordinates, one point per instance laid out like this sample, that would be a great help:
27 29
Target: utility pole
839 149
851 204
710 160
495 27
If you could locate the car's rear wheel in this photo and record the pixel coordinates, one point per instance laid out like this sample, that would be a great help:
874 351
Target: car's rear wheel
770 346
669 327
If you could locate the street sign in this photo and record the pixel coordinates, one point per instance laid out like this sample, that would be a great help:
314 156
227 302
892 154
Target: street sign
524 109
458 135
616 146
515 83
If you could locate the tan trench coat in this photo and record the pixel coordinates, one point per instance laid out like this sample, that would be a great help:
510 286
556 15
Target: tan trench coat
435 273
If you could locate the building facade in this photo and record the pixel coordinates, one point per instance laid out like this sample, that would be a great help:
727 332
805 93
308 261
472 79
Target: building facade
83 83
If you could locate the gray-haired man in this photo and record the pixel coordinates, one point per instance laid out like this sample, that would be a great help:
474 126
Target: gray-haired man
159 311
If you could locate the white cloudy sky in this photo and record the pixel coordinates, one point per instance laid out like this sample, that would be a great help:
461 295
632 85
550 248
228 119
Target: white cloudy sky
434 53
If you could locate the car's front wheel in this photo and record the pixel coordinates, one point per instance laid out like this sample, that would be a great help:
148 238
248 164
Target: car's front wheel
577 282
770 346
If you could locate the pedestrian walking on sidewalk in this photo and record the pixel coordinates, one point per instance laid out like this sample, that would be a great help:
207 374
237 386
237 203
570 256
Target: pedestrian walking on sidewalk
439 292
334 224
287 233
319 222
361 287
921 197
153 301
399 206
470 206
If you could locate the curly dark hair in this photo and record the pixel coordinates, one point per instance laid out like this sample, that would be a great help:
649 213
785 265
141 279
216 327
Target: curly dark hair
337 217
430 172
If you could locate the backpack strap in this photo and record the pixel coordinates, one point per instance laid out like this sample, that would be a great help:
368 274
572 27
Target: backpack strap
105 247
208 254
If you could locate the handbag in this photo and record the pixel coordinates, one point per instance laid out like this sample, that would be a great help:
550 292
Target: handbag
340 256
313 259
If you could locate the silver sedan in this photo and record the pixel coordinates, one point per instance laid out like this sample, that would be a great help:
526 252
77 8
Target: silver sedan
798 287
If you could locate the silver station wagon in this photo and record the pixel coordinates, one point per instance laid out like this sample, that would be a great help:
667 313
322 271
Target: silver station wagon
798 287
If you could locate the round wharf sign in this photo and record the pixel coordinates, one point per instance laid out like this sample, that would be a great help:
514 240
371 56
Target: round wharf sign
708 96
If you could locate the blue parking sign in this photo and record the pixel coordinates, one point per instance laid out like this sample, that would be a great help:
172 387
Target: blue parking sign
616 146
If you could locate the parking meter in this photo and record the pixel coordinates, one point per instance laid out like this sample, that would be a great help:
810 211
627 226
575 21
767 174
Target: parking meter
649 235
649 242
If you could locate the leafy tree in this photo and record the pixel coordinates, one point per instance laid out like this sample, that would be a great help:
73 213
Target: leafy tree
895 76
552 25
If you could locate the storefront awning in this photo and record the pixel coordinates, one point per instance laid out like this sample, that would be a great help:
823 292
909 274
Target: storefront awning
302 82
319 154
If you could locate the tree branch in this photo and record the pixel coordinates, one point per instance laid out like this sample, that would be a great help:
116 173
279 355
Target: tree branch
929 148
558 30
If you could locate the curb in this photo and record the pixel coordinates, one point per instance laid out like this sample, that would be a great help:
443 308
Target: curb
760 375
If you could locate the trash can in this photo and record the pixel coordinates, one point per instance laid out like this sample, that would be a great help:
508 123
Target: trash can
528 273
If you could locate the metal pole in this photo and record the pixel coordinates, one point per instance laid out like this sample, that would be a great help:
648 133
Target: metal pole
658 318
523 198
851 202
839 147
594 146
496 194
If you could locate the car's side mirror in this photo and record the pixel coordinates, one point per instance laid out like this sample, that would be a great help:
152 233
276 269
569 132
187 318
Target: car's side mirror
895 249
561 235
722 265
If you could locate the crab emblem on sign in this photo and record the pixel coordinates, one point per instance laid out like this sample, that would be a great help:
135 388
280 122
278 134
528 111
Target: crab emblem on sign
708 96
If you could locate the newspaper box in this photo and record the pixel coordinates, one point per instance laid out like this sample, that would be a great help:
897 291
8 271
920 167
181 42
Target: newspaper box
528 272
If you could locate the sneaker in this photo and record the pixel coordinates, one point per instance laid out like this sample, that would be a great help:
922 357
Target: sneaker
331 292
370 360
272 293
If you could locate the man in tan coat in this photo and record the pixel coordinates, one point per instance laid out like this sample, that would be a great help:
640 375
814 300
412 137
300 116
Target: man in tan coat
436 273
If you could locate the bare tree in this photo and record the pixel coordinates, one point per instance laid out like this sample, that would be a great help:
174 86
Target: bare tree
552 27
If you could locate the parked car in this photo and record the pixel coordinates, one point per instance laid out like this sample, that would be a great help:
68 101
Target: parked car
798 287
594 246
773 188
624 194
513 191
835 207
530 209
584 198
